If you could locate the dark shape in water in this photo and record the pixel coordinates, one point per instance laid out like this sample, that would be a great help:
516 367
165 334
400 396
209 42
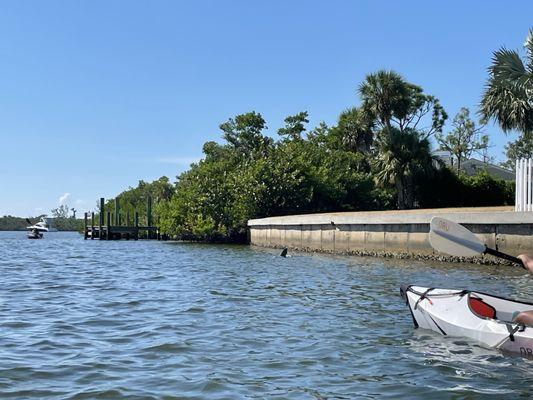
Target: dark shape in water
35 234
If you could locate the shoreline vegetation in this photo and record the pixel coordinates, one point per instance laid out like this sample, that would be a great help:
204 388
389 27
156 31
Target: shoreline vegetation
11 223
376 157
379 155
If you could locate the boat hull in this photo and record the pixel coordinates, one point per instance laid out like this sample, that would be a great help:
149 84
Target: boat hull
451 313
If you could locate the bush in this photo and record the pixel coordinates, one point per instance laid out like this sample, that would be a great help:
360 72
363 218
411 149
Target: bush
448 189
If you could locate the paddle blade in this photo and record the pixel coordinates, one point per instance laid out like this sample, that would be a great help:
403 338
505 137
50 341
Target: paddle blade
454 239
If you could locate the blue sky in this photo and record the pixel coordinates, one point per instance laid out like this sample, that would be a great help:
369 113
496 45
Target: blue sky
95 95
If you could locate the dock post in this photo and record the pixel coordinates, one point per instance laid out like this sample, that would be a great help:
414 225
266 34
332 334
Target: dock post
92 225
117 211
136 217
101 219
149 216
85 226
108 233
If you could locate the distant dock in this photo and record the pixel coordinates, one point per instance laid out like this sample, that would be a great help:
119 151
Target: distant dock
107 225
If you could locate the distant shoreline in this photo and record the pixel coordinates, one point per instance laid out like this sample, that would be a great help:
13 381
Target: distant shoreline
24 229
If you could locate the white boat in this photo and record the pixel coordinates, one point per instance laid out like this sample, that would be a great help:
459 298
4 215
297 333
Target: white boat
46 224
485 318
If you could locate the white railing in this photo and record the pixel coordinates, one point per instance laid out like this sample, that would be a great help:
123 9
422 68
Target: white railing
524 176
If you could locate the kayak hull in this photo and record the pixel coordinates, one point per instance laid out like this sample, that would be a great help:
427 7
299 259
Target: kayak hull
456 313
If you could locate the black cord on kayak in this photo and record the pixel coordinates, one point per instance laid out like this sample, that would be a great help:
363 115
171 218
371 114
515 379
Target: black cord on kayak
423 296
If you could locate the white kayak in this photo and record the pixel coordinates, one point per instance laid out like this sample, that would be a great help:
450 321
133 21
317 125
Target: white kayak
475 315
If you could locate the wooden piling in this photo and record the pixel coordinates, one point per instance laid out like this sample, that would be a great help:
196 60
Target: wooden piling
115 225
92 225
136 223
85 230
117 211
101 219
108 233
149 216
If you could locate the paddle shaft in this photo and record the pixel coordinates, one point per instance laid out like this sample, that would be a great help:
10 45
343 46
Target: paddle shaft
508 257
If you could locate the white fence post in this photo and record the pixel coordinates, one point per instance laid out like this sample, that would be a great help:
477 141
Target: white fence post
524 185
528 208
517 187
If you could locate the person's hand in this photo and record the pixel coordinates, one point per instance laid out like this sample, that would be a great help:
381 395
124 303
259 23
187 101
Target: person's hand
525 318
528 261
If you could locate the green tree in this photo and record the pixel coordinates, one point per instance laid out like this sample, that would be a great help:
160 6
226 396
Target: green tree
392 102
135 198
63 221
403 157
294 126
354 131
216 197
61 212
508 95
520 148
402 149
244 133
464 139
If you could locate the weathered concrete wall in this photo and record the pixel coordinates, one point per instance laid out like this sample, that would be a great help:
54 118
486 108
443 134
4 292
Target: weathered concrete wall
391 232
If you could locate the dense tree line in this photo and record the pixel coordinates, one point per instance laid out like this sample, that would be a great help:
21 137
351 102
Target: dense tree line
377 156
11 223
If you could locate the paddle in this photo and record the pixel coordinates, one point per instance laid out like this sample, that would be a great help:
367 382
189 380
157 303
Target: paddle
454 239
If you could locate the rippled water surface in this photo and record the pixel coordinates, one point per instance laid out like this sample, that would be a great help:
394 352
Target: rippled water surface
159 320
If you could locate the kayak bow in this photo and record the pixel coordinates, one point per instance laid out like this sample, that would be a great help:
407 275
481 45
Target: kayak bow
479 316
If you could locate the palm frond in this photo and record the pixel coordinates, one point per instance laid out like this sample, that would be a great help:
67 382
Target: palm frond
508 94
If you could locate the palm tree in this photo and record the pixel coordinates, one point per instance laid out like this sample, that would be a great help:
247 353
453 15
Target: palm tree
403 156
355 130
508 96
389 100
383 94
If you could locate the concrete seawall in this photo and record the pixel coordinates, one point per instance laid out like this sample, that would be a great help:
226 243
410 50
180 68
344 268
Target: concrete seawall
392 233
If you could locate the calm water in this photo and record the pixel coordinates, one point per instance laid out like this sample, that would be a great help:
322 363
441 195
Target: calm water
151 320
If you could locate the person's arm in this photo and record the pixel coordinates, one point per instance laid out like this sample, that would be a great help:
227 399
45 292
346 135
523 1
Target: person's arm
527 259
